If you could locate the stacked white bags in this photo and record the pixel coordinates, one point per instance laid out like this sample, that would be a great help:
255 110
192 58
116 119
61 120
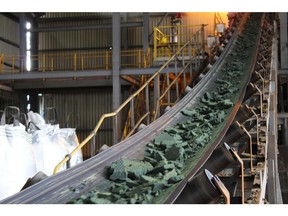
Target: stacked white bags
17 159
51 144
48 150
23 154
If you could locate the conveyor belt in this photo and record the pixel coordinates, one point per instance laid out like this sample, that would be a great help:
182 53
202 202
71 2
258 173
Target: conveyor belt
80 179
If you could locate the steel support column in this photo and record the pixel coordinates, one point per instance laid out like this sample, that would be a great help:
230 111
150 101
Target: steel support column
156 91
124 32
22 40
273 186
283 40
284 62
34 43
145 32
285 131
116 36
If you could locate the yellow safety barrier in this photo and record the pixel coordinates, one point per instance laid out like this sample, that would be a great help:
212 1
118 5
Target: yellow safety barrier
168 39
139 102
73 61
107 115
159 101
137 124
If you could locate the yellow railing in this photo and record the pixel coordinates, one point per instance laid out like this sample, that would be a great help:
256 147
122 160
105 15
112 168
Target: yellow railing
129 100
159 102
169 39
75 61
139 107
137 124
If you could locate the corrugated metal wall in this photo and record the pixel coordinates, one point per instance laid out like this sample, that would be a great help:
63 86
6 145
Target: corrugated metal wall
9 30
82 42
92 40
8 49
74 14
88 105
8 99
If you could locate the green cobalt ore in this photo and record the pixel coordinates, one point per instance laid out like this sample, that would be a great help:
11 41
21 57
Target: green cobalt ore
140 181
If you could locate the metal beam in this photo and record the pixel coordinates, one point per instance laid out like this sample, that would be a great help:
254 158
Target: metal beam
22 39
156 91
283 40
79 74
6 88
145 31
282 115
125 33
11 16
72 49
9 42
56 75
272 135
146 71
283 72
116 43
49 84
34 44
96 17
85 27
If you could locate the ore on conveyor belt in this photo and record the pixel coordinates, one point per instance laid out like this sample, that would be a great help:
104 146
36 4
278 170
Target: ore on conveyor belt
154 165
167 156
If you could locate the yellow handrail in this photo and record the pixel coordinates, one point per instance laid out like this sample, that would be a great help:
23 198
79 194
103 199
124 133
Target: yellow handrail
167 40
137 124
49 62
93 133
167 89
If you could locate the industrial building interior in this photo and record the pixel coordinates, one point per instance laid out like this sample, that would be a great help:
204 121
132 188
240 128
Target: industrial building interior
143 108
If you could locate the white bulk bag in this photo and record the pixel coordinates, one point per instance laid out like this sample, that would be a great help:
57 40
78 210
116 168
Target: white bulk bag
6 186
48 150
70 140
36 119
20 163
22 153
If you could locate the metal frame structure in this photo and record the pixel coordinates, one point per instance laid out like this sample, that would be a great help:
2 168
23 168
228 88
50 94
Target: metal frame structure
120 150
264 182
